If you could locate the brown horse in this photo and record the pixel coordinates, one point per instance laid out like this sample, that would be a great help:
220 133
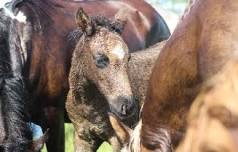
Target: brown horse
213 117
204 40
41 50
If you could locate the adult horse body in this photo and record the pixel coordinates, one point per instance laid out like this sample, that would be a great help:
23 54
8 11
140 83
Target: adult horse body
43 49
204 40
213 114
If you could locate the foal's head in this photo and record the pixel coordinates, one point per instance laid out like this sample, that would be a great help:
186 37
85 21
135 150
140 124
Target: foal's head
104 56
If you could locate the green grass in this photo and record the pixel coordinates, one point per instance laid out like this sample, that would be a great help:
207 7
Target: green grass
69 137
105 147
69 141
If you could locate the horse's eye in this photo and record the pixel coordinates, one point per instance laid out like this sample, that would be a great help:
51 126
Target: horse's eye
101 60
7 4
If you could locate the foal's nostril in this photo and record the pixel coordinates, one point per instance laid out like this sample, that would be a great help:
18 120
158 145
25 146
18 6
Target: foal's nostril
128 106
124 109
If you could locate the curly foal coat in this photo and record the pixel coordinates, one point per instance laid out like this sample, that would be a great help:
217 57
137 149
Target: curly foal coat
90 116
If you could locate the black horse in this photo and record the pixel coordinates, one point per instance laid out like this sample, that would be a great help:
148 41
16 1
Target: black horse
35 60
15 133
15 121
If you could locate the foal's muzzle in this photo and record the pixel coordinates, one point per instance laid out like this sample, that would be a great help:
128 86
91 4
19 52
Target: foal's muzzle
124 107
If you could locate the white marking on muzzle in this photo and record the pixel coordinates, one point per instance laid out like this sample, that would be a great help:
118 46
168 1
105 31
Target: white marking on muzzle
119 51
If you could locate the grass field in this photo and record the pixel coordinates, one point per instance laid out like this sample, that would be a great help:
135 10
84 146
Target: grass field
69 136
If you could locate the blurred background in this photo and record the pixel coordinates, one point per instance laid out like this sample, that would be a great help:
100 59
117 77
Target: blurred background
176 6
170 10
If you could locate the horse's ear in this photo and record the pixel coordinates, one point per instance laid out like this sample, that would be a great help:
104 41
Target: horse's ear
122 15
123 132
120 18
84 22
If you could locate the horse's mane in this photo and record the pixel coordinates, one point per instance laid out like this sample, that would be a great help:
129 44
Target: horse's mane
110 24
158 138
13 107
18 132
13 102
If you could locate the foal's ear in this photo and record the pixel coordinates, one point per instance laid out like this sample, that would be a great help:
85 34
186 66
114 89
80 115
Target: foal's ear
84 22
123 132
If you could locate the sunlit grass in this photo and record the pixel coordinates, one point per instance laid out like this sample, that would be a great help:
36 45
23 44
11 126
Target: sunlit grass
69 143
105 147
69 137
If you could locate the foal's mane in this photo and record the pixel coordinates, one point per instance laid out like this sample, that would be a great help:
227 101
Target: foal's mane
110 24
98 21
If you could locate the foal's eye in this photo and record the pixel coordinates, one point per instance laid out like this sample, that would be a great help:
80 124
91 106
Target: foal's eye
101 60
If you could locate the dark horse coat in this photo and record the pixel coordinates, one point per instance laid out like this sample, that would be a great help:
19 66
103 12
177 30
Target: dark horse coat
40 51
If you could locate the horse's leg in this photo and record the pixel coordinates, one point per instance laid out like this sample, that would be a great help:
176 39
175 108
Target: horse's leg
55 122
82 145
116 146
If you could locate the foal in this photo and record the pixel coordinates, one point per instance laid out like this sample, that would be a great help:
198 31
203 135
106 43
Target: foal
98 81
89 96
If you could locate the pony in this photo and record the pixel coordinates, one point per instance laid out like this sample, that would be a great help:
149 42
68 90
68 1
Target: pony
213 114
203 41
41 51
99 81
